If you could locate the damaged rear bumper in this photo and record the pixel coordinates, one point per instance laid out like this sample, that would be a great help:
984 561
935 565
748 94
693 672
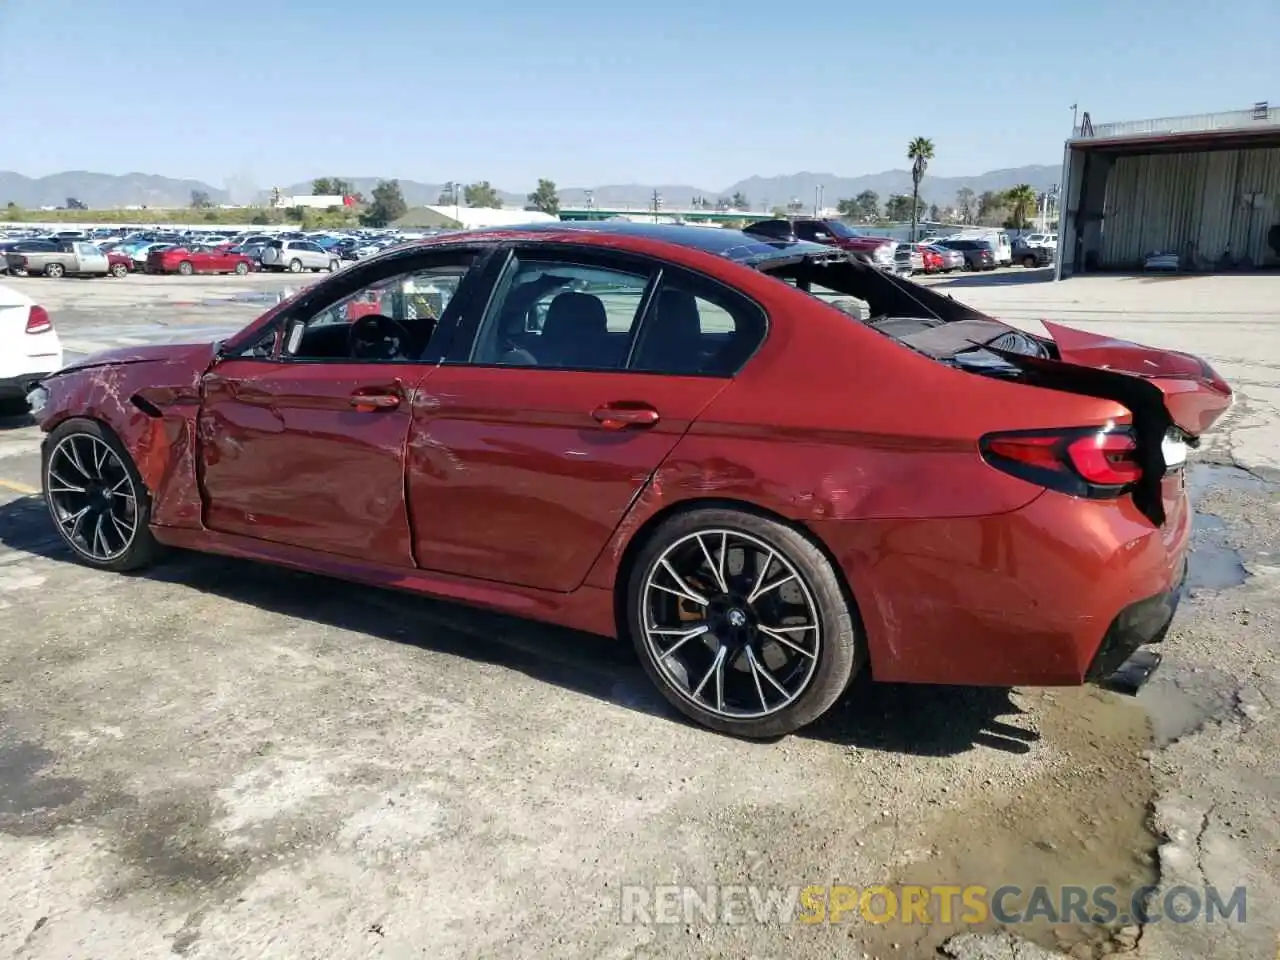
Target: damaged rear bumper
1120 663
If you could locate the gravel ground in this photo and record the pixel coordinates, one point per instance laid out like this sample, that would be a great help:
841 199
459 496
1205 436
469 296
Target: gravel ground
217 759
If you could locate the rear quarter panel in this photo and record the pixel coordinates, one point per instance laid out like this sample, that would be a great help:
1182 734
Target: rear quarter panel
833 421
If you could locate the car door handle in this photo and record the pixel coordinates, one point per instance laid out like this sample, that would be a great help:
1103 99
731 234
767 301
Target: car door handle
621 417
373 402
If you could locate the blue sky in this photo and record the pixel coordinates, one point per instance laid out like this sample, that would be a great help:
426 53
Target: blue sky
704 92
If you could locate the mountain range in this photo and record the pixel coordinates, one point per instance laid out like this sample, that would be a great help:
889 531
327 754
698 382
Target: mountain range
101 190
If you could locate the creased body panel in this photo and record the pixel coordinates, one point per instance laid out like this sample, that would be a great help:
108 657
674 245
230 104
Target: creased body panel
149 397
1194 394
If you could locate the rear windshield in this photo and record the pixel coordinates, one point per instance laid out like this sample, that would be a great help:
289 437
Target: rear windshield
842 230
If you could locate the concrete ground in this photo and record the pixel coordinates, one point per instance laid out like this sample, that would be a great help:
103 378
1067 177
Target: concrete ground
217 759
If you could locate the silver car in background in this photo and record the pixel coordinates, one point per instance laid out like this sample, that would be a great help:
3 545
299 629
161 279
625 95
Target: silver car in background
298 255
907 259
951 259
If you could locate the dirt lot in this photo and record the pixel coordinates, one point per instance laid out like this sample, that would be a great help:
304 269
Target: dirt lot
216 759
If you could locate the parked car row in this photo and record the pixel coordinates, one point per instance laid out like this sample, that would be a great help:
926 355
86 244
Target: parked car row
161 251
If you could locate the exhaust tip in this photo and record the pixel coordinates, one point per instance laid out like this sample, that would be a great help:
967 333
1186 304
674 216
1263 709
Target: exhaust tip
1132 675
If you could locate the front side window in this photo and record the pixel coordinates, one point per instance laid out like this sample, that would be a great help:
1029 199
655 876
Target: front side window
392 320
562 315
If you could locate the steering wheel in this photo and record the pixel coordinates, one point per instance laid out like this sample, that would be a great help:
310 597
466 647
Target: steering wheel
376 337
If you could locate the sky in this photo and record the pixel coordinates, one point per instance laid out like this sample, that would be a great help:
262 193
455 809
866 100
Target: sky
700 92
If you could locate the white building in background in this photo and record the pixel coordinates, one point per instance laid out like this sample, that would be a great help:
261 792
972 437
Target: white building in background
471 218
315 202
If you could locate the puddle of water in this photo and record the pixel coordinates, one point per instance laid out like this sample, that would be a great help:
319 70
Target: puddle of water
1083 823
1180 702
1214 563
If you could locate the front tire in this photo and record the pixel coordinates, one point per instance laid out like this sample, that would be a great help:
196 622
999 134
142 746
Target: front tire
295 266
119 271
741 622
96 497
241 269
54 270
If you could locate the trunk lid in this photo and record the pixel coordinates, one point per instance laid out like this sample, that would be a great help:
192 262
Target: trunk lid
1195 396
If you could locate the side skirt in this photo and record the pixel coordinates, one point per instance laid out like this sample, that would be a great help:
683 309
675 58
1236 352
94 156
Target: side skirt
589 609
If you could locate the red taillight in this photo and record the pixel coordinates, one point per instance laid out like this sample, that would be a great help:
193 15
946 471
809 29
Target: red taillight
1086 461
38 321
1106 459
22 262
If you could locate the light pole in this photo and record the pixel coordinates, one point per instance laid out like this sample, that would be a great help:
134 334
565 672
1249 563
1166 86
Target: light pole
1074 106
817 200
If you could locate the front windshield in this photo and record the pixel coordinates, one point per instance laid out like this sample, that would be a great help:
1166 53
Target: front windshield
843 230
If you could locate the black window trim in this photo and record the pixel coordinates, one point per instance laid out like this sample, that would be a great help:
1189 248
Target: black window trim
466 341
327 293
570 254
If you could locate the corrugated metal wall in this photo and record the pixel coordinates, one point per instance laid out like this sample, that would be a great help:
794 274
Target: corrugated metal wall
1191 201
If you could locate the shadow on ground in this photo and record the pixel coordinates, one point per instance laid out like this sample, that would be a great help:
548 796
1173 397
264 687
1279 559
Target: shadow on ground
14 421
920 720
1011 278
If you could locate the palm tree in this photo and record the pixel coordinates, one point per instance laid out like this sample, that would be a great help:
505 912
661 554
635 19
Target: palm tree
919 152
1020 199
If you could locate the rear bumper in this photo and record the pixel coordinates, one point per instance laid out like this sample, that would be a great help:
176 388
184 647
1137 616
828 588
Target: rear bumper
1137 625
1056 593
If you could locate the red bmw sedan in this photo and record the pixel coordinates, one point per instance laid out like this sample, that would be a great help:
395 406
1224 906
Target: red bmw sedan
674 436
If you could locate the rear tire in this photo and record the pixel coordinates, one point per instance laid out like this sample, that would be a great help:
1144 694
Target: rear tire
84 455
812 671
185 268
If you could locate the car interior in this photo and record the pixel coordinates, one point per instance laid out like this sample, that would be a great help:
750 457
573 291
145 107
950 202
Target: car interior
555 321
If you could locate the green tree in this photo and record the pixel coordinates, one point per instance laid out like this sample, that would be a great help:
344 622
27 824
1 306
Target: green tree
1020 200
200 200
74 204
898 208
991 207
919 152
388 204
868 202
450 196
966 203
545 198
779 212
847 207
330 187
481 194
739 201
933 213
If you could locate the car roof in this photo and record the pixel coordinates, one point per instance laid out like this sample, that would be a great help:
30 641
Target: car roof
734 245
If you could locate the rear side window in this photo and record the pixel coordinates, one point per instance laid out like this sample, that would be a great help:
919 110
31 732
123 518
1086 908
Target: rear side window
771 228
697 327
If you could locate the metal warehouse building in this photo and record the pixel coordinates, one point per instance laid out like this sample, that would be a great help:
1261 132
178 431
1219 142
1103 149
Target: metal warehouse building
1205 187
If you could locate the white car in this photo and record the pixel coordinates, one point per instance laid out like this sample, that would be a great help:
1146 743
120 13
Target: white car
29 348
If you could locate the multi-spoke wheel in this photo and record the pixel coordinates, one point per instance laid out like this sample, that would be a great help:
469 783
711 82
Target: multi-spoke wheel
741 622
96 498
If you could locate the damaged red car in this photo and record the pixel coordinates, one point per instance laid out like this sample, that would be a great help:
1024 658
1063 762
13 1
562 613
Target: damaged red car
664 434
